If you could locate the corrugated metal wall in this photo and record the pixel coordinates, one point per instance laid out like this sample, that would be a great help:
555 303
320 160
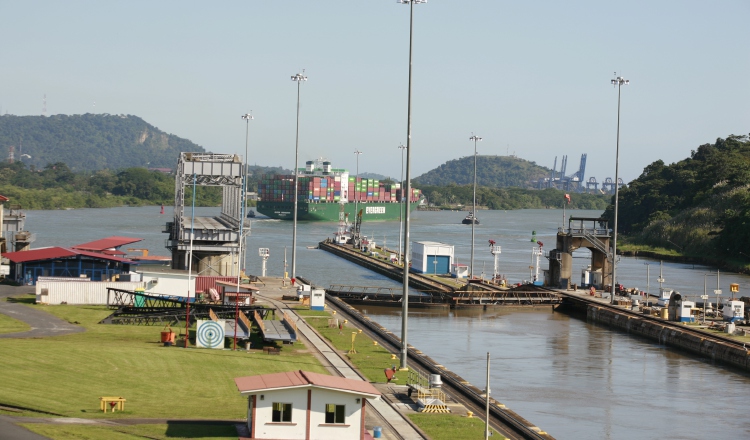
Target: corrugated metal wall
202 284
69 292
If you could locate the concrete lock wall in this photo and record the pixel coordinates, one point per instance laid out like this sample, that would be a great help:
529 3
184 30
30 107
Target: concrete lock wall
671 336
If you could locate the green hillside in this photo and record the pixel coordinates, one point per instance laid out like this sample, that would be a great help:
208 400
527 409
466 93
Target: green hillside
699 206
90 142
492 171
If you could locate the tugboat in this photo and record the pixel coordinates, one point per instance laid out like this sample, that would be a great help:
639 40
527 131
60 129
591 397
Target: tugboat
469 219
251 214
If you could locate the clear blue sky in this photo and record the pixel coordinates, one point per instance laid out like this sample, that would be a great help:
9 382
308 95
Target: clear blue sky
531 78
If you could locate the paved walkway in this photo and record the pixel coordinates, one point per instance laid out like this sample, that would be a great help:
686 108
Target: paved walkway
11 431
42 324
404 429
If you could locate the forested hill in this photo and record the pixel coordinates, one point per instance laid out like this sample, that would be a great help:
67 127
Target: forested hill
492 171
90 142
699 206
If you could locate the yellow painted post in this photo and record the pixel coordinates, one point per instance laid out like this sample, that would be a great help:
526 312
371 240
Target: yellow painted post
352 350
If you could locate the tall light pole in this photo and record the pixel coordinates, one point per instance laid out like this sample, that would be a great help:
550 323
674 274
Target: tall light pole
474 209
619 82
243 203
407 192
247 118
298 78
401 206
356 194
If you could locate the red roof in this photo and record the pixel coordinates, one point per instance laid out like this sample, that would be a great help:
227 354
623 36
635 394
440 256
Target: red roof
39 254
57 252
102 256
4 199
107 243
301 379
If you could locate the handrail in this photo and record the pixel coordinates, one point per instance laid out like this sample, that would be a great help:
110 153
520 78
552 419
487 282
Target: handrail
259 320
246 322
290 322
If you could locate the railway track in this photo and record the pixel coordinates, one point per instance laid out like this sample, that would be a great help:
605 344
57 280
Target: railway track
503 420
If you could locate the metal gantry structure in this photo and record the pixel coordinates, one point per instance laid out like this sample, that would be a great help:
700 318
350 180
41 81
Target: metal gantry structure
215 240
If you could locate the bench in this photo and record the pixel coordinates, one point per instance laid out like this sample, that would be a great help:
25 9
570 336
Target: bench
115 403
271 350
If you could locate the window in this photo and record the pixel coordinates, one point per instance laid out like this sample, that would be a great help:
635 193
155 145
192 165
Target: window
335 413
282 412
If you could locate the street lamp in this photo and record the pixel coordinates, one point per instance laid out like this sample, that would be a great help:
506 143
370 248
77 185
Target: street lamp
299 78
407 191
401 206
474 212
356 194
619 82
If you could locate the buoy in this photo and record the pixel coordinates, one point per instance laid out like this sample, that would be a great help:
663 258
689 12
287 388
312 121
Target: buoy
533 236
162 209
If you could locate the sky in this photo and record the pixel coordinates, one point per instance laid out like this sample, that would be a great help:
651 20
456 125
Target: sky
530 78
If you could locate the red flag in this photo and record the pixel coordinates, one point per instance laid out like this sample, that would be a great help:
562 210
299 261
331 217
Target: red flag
567 197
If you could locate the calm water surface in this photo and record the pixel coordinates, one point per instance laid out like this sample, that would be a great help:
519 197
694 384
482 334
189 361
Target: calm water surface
573 379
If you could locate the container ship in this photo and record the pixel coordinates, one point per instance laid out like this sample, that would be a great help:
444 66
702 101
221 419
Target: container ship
323 192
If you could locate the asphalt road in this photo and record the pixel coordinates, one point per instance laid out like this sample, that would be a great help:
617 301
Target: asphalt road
42 324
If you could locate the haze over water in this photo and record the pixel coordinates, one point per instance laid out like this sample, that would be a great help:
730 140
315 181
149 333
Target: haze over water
572 379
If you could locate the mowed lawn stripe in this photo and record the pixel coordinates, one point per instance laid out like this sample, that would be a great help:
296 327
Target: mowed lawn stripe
67 374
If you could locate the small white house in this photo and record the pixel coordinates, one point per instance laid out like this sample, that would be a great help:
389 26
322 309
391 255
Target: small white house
303 405
431 257
680 309
318 299
459 270
162 281
733 311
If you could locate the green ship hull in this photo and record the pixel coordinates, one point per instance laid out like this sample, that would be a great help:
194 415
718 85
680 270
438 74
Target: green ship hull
329 212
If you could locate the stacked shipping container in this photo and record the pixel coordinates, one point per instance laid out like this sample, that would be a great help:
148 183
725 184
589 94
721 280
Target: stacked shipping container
327 189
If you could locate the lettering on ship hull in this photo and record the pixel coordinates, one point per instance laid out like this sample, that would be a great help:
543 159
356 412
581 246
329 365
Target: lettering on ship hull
375 210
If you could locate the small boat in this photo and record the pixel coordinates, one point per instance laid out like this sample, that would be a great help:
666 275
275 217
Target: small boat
251 214
469 219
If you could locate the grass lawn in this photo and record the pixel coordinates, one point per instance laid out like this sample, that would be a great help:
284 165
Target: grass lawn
66 375
370 359
10 325
451 427
308 312
129 432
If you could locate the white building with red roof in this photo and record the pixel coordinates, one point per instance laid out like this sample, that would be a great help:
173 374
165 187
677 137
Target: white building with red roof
304 405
